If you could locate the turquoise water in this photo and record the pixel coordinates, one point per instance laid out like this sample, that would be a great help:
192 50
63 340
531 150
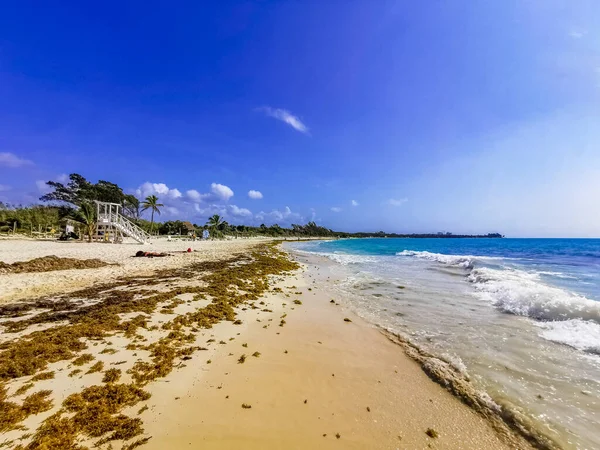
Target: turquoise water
520 316
518 274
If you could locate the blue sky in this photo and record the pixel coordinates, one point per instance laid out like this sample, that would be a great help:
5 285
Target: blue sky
462 115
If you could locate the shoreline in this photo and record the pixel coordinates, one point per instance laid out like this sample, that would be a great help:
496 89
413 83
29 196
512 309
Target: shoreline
514 426
506 423
319 376
308 377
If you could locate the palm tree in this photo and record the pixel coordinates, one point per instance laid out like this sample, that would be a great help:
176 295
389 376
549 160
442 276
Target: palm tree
214 223
152 204
86 215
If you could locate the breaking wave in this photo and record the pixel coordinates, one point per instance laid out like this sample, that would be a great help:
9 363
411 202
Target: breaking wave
565 317
346 259
523 294
464 261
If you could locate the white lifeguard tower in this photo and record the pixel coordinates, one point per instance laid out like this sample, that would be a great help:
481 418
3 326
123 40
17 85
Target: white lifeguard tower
112 225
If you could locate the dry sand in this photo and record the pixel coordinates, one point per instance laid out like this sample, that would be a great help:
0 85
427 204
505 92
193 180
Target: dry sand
23 285
319 381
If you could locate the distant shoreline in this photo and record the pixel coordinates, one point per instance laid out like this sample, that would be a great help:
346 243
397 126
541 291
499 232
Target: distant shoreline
428 236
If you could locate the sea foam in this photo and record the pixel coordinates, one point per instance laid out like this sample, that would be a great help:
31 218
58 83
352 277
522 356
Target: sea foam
583 335
464 261
565 317
523 294
346 259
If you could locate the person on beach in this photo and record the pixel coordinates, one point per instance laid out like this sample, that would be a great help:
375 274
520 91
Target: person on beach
142 254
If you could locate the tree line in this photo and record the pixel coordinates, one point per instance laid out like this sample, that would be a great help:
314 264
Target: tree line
74 202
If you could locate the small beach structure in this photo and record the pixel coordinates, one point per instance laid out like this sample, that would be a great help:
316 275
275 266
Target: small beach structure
112 225
189 228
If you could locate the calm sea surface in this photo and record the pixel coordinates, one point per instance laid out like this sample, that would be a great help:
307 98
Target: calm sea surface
520 316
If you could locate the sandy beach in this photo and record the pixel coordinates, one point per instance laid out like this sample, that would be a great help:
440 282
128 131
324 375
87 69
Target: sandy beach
207 355
19 286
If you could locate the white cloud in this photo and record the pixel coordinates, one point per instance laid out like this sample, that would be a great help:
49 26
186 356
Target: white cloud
285 116
218 192
336 209
11 160
282 217
354 203
255 195
221 191
228 212
210 210
239 212
161 190
397 202
197 206
4 188
194 195
63 178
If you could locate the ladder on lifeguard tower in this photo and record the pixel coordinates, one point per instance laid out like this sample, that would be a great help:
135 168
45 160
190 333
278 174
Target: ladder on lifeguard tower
112 225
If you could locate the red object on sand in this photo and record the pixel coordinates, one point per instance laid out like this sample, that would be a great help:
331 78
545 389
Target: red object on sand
189 250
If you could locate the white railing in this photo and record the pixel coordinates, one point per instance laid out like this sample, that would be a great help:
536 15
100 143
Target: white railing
129 228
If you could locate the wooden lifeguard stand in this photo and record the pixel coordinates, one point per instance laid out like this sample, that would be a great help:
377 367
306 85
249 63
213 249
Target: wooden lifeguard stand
111 225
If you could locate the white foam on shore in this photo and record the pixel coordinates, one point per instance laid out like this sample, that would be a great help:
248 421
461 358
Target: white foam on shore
457 363
583 335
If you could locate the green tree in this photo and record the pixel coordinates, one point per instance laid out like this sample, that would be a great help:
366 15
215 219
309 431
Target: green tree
151 203
75 192
30 218
172 227
214 223
131 207
86 215
79 190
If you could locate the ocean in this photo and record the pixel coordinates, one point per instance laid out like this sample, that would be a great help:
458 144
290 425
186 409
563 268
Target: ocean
520 317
